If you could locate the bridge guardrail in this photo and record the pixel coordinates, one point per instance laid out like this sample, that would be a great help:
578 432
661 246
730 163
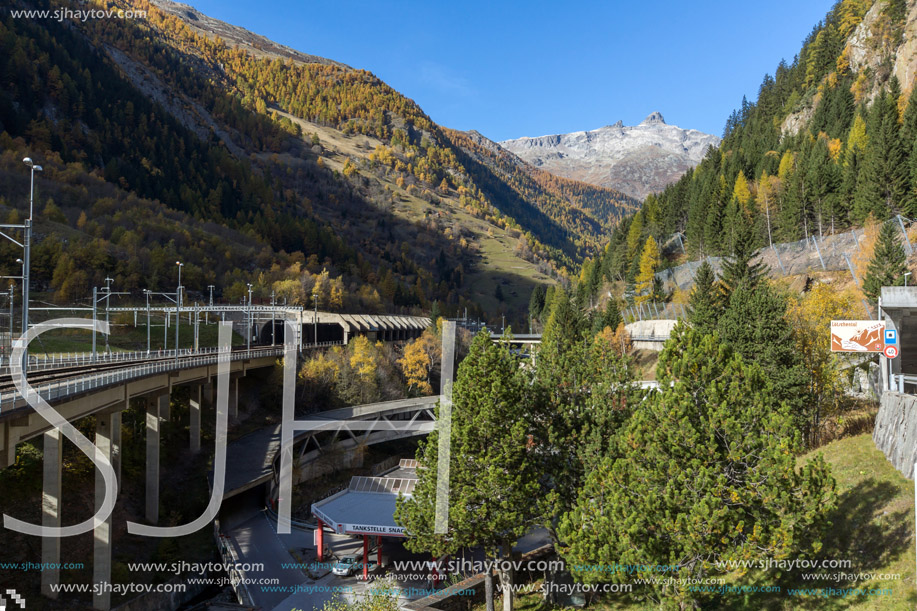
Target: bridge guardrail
63 388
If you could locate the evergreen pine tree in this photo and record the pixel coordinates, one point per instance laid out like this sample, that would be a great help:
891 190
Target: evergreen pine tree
565 329
560 389
910 195
594 282
849 177
493 482
790 218
909 122
882 180
615 262
609 318
738 267
631 279
888 263
549 295
754 323
822 178
536 302
609 376
713 224
704 308
583 390
705 470
908 135
732 218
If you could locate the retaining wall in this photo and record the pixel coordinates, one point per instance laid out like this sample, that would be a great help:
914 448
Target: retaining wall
896 431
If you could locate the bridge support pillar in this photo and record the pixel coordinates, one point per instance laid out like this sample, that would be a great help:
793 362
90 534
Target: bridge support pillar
10 442
51 511
233 397
164 405
194 407
7 447
116 444
152 458
101 556
207 389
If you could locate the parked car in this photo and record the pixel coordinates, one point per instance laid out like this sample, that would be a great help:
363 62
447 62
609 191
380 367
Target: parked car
346 566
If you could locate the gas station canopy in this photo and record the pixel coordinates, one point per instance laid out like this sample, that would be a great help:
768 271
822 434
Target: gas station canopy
367 505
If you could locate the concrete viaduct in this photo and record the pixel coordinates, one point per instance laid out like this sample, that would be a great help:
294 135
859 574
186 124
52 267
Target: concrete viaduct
104 390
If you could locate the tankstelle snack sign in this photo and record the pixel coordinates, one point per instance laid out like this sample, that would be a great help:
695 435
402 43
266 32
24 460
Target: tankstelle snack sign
857 335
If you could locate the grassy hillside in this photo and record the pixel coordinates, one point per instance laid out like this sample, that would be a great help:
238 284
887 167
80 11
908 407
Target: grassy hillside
501 255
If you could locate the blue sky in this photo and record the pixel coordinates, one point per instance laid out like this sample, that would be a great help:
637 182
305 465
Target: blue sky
511 69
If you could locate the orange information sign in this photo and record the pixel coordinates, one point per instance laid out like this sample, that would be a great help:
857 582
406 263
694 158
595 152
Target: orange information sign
857 335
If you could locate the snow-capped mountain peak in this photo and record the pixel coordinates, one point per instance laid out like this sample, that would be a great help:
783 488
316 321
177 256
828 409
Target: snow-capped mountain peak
637 160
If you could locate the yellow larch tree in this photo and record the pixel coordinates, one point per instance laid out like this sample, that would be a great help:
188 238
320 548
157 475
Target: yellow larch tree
740 190
416 365
811 315
363 357
649 263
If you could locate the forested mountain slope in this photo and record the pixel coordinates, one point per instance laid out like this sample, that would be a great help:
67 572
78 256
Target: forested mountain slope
319 167
829 141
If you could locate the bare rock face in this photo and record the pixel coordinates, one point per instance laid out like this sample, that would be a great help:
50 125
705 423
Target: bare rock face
866 47
797 120
861 48
637 160
906 56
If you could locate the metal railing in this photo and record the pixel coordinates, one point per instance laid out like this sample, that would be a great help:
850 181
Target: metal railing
652 310
231 559
897 381
46 362
186 359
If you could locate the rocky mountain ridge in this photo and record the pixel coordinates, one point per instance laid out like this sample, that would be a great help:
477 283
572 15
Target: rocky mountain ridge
236 36
637 160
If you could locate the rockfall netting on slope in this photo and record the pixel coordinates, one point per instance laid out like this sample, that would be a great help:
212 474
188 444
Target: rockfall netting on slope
828 253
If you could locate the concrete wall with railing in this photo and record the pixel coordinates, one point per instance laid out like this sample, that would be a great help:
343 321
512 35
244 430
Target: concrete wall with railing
650 334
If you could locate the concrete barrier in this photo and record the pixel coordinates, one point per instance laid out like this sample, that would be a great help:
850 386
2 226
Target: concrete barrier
650 334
